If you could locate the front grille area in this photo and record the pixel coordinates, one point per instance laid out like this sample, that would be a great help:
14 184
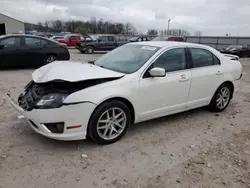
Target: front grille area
55 127
33 93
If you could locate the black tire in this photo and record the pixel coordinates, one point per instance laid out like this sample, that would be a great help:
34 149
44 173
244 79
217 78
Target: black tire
93 122
49 59
213 104
90 50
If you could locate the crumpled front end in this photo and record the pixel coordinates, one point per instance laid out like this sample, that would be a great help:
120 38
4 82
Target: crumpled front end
64 123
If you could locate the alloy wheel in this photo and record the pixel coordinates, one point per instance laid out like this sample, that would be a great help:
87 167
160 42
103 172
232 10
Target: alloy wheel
111 123
50 59
90 51
223 98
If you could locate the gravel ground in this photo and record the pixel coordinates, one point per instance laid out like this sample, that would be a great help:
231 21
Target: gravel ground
192 149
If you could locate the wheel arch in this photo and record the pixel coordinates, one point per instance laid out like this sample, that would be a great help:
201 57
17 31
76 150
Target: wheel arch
51 53
90 45
121 99
226 82
231 85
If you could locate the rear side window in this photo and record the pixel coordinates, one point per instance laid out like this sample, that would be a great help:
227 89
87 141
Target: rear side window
203 58
11 42
216 60
44 42
172 60
29 41
111 38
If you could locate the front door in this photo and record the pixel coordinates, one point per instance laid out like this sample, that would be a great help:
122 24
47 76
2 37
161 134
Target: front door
207 75
11 54
103 43
161 96
111 42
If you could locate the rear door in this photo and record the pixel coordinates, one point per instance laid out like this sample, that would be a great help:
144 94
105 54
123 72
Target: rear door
33 51
207 75
11 54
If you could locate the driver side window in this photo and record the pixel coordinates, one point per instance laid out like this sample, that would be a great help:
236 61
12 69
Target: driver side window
102 38
172 60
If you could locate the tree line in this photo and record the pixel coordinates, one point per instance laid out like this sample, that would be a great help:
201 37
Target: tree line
96 26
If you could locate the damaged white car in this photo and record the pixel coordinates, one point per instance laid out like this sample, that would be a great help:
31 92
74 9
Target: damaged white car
133 83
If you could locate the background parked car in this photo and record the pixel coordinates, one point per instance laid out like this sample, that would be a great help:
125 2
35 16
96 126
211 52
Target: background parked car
70 39
239 50
97 43
138 39
56 37
169 38
30 51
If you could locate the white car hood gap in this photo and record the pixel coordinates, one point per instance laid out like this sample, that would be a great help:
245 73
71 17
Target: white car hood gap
72 72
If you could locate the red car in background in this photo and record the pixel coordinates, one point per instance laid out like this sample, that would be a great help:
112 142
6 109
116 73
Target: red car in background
70 40
169 38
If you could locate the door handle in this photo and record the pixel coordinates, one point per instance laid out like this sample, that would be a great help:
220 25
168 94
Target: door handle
219 73
183 78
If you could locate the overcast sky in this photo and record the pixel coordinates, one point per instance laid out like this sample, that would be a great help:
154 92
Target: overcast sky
212 17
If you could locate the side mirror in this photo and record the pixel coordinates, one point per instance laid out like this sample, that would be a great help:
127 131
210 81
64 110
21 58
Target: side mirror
157 72
99 40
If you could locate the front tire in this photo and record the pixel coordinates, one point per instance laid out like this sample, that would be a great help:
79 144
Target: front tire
90 50
109 122
221 98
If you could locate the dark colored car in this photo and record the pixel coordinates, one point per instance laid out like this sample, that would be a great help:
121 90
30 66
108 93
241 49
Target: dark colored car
239 50
30 51
138 39
97 43
169 38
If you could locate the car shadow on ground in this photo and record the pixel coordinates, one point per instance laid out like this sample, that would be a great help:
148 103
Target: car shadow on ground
39 141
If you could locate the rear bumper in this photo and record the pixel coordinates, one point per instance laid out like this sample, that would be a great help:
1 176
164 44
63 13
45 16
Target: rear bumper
71 115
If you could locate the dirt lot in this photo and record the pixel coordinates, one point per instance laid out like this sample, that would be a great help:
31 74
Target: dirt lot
192 149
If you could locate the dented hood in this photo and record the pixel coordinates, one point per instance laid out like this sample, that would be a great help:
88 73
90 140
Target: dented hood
72 72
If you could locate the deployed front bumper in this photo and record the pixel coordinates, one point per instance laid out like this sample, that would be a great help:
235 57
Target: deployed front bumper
76 115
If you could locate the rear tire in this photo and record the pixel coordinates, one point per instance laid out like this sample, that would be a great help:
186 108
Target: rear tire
90 50
109 122
221 98
49 59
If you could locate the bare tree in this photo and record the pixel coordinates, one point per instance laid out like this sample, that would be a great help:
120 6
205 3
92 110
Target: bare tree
152 32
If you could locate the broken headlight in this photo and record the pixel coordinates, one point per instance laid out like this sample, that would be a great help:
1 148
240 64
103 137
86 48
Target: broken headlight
52 100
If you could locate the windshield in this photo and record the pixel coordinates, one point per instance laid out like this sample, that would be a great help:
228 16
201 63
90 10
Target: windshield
160 38
235 46
127 58
94 37
66 36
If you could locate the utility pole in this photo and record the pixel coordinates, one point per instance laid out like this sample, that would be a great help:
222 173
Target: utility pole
168 25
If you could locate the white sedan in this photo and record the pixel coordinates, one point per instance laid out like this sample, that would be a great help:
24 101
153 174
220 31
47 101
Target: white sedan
133 83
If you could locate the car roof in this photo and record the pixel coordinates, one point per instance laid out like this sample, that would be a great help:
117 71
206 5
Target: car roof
23 35
163 44
101 35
